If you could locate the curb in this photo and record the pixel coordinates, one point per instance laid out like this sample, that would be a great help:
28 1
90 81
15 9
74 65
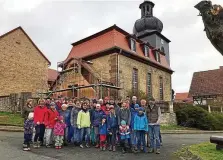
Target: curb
188 132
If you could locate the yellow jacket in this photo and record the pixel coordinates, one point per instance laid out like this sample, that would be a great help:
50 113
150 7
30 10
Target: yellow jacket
83 119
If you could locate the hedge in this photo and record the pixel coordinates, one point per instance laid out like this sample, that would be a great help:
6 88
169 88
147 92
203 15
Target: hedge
197 117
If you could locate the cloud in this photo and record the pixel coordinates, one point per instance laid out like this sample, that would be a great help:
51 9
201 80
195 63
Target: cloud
53 25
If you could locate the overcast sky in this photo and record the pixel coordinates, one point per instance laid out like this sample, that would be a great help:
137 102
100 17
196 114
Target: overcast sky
54 25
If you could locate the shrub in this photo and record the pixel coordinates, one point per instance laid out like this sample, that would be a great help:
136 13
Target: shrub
196 117
218 120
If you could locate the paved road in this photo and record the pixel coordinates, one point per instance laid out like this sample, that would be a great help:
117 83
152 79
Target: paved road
11 149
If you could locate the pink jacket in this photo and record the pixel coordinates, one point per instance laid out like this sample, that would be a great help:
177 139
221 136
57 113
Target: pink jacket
59 129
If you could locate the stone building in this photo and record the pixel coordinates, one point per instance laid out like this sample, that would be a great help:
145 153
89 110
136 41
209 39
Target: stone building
23 67
121 61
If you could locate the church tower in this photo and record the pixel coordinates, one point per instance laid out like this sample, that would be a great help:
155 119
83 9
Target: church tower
148 28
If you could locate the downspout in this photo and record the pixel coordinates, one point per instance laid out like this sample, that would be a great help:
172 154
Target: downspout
118 74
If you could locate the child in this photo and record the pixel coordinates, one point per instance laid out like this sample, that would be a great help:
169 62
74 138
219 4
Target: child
96 118
59 132
103 133
65 113
28 132
124 135
50 120
84 123
112 122
141 127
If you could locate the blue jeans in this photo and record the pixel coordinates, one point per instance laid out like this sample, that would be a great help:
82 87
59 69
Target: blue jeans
154 135
85 134
133 137
76 134
141 140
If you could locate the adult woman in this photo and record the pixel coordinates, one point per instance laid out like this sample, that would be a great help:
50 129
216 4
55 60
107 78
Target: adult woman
27 109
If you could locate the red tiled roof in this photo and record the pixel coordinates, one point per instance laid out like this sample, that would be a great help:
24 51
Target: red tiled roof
181 96
106 39
207 83
29 40
52 74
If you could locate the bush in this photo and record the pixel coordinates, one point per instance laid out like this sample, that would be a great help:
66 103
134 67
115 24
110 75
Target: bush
197 117
218 120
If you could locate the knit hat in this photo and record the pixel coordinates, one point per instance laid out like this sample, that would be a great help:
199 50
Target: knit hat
60 118
136 106
52 104
31 115
141 109
123 122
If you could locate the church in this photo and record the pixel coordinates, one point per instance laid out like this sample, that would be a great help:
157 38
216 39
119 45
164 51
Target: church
116 63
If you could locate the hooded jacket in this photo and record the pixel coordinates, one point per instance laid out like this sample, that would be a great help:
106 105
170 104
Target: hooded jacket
141 123
83 119
96 117
39 114
103 129
50 118
112 121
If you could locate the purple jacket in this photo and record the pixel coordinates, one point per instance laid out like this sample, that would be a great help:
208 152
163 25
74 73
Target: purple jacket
97 117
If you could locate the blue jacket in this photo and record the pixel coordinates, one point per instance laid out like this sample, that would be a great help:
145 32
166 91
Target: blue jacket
141 123
103 129
96 117
66 116
112 121
133 114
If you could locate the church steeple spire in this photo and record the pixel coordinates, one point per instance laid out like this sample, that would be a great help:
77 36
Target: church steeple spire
146 9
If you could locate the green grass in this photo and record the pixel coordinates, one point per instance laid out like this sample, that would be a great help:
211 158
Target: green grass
174 127
11 119
206 151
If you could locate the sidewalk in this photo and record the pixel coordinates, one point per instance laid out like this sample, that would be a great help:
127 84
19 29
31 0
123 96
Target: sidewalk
20 129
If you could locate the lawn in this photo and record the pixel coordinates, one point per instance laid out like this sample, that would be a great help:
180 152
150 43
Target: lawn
11 119
206 151
174 127
202 151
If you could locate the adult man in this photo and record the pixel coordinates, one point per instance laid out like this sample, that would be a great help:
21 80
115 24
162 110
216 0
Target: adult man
116 107
153 113
134 101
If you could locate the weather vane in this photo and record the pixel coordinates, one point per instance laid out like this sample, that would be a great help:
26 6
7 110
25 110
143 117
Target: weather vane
212 16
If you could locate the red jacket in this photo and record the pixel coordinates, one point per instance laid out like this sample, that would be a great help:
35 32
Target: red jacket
50 118
39 114
103 108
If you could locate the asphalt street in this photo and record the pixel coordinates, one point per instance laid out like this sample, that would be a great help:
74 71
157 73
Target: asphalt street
11 149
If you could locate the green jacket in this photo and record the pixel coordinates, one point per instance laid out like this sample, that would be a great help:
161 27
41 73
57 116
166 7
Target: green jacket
83 119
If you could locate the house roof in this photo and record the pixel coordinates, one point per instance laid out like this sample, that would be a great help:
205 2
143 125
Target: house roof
20 28
207 83
181 96
108 39
52 74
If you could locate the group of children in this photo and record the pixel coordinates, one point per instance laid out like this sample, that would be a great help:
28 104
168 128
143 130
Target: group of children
100 123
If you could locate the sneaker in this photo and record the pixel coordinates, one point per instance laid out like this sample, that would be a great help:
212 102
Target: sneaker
35 145
81 146
29 149
161 144
104 148
48 146
87 145
38 144
110 148
24 145
158 151
59 147
150 150
97 146
25 149
114 149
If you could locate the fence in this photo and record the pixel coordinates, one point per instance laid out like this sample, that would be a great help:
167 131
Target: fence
15 102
